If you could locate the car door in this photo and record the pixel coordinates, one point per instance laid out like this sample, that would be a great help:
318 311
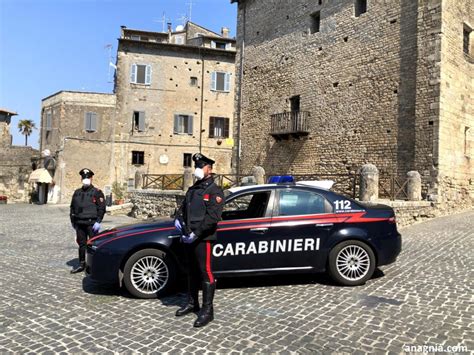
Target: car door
302 220
243 232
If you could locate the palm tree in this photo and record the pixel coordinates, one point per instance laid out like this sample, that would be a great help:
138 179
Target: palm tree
26 127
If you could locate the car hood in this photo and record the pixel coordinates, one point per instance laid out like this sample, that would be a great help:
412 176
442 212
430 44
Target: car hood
135 228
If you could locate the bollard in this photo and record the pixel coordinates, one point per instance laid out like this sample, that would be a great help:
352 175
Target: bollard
259 174
414 186
369 183
188 178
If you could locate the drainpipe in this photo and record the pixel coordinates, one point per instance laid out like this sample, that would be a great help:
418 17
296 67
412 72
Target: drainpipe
202 101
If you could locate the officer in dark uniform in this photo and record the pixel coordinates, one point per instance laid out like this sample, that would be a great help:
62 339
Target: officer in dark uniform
87 212
197 218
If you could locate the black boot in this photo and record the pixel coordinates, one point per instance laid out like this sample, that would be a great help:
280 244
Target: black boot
81 267
191 306
206 314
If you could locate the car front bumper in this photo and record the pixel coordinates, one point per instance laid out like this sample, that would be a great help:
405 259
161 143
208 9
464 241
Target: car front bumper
103 265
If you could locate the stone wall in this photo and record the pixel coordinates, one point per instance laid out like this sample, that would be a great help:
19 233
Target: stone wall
154 203
455 169
15 169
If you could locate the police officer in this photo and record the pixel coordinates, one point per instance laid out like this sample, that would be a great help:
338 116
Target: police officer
87 212
197 218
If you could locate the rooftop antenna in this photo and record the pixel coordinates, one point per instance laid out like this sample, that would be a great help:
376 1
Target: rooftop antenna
163 21
183 19
111 64
190 4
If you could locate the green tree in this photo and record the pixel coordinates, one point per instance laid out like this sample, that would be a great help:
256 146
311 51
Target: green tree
26 127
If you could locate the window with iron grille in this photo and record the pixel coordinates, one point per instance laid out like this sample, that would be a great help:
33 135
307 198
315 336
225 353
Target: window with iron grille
218 127
193 81
138 158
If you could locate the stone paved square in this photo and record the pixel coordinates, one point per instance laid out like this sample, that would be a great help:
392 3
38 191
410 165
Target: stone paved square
425 298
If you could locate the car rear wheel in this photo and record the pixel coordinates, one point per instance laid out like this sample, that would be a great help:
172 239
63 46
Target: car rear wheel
149 273
351 263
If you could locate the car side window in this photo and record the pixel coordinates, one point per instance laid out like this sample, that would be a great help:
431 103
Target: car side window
246 206
299 202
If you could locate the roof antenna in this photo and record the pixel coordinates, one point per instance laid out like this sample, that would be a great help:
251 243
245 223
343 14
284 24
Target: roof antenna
111 65
163 21
190 3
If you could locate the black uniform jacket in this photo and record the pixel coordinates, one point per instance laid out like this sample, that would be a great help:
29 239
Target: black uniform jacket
201 209
87 206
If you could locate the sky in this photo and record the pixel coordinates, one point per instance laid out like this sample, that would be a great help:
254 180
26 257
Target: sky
52 45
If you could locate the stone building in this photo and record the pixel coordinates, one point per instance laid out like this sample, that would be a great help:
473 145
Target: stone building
173 96
327 86
16 163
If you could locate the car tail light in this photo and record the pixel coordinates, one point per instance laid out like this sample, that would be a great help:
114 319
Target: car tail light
392 220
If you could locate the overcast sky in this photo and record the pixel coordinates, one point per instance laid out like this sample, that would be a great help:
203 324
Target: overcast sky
52 45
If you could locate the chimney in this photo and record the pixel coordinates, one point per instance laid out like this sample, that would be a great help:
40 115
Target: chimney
122 31
169 27
225 32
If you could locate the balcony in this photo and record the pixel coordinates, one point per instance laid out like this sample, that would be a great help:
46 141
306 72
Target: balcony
286 124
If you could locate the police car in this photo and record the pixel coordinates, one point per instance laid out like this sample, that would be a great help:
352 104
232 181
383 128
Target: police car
265 229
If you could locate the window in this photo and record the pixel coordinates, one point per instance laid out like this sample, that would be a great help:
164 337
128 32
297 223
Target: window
179 40
135 37
360 7
218 45
140 74
247 206
139 121
187 160
90 124
220 81
315 22
298 202
49 123
466 44
193 81
183 124
218 127
138 158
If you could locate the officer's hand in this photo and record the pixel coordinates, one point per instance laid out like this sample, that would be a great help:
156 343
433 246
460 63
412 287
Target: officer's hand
190 238
96 227
178 225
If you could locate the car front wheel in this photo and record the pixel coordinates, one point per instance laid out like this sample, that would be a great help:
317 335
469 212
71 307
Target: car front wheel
351 263
149 273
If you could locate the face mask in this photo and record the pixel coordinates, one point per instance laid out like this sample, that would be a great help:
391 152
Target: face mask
86 182
199 173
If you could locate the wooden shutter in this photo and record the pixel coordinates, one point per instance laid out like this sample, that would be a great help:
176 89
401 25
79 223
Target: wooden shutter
148 75
93 121
228 46
141 121
227 82
176 124
87 121
133 74
213 80
213 44
190 125
226 127
211 127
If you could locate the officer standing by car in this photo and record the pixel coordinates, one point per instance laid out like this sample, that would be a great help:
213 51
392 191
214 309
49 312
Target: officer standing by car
197 218
87 212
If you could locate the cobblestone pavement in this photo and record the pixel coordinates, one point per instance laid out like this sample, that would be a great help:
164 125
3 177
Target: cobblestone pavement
425 298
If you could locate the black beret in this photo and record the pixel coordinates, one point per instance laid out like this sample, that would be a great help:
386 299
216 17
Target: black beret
86 173
201 160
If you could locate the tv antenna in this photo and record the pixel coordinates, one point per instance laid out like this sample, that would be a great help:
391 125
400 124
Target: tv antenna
190 4
163 21
111 64
183 19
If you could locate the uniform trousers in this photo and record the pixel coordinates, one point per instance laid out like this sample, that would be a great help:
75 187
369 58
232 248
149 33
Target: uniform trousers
198 257
83 233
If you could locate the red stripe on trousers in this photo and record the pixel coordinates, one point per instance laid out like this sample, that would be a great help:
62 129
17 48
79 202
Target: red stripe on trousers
208 262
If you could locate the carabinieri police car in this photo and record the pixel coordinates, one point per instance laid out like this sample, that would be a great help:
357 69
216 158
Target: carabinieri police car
265 229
